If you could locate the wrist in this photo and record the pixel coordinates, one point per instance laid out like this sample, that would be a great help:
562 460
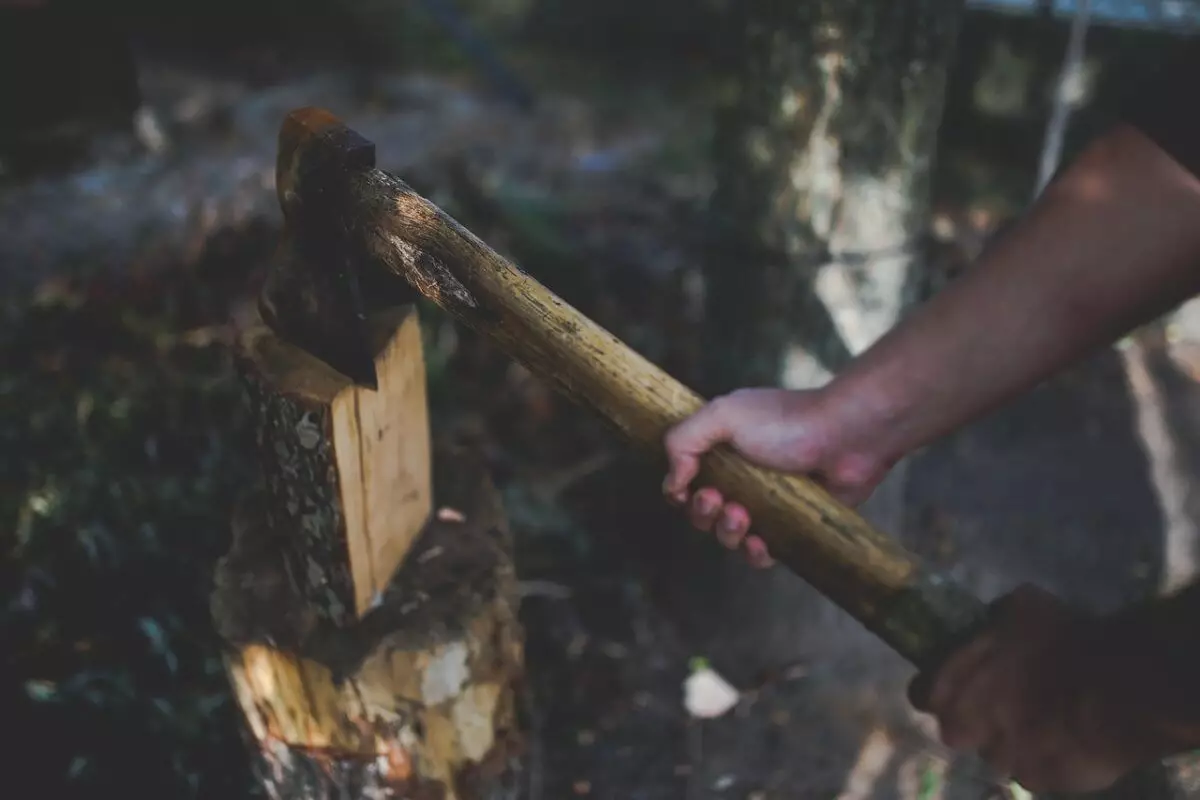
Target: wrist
875 415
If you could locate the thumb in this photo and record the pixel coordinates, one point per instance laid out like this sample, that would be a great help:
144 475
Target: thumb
687 442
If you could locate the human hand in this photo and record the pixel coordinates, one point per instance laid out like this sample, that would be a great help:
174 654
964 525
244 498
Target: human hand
1027 697
807 432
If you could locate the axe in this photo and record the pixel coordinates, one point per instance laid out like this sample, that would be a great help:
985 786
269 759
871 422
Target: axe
353 229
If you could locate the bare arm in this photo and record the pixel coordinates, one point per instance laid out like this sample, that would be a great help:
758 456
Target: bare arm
1114 242
1110 244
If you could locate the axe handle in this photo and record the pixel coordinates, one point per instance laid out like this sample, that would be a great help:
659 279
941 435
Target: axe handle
917 612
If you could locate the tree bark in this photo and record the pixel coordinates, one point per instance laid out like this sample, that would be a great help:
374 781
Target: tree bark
1066 87
824 152
346 468
824 159
414 694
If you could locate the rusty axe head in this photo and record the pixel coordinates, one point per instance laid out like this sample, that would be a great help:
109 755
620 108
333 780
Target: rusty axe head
312 295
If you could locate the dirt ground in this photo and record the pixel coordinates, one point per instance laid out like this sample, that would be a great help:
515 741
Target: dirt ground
121 436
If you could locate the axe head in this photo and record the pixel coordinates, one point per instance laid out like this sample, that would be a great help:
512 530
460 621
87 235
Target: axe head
317 306
313 296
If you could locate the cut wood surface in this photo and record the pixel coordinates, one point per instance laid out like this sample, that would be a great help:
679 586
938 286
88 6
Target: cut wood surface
418 699
347 467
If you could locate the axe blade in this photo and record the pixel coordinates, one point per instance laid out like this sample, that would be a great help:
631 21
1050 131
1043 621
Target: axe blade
313 293
318 307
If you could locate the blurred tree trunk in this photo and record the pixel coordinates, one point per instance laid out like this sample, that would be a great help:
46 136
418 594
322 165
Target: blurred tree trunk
1067 93
824 149
824 154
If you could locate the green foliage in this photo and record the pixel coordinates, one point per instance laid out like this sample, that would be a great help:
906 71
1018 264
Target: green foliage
930 784
120 438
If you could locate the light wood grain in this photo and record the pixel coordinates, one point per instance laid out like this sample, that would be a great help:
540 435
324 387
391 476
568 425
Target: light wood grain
350 465
381 438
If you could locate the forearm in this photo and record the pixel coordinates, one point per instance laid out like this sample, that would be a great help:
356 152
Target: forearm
1111 244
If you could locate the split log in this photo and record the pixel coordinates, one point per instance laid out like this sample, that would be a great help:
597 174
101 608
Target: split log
347 468
417 696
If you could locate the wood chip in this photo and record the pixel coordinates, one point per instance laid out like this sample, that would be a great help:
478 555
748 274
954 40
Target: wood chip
446 514
707 695
535 588
430 554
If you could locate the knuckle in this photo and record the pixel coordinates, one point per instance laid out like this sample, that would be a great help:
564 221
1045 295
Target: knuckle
719 406
675 437
854 474
697 429
732 402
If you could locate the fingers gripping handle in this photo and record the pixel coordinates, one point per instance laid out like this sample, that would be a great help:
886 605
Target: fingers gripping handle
919 613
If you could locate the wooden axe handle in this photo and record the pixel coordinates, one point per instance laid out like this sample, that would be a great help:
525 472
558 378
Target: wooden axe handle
917 612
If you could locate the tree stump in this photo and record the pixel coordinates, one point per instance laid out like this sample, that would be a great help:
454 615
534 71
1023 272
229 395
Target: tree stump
373 646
